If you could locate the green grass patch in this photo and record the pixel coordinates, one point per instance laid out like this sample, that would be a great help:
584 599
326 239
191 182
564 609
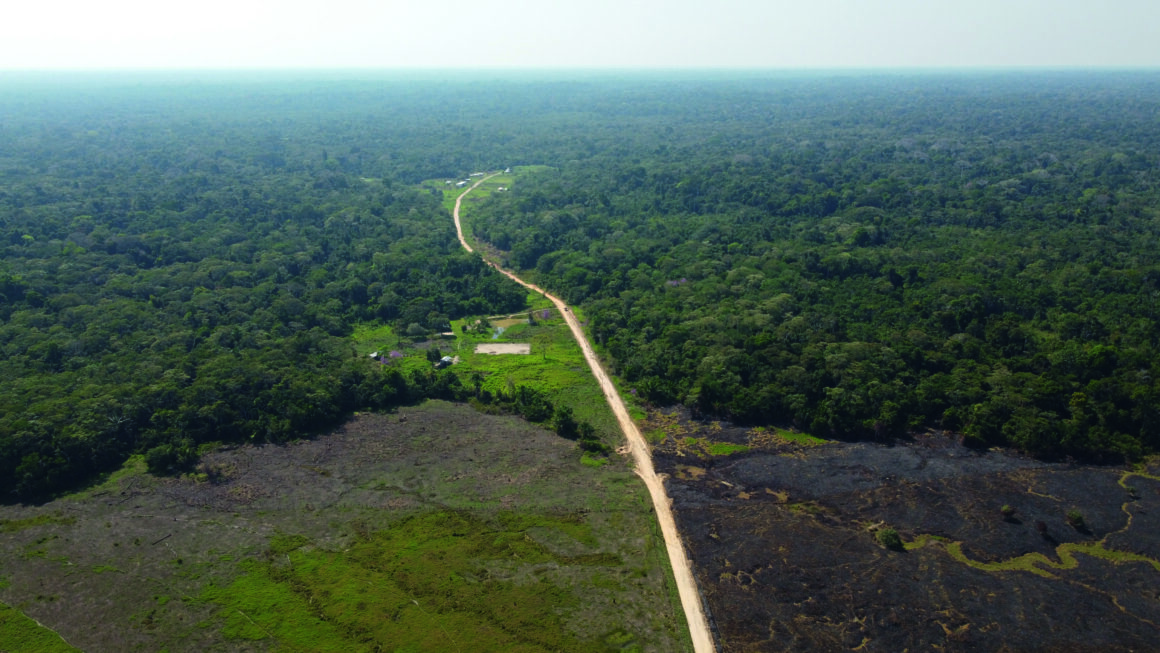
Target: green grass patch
19 633
258 606
555 367
788 436
593 461
799 438
725 448
374 337
806 508
113 481
15 525
704 447
536 301
438 581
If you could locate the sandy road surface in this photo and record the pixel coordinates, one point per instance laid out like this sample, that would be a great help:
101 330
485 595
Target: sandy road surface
682 570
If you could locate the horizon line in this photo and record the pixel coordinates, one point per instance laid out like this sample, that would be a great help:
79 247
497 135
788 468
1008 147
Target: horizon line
597 69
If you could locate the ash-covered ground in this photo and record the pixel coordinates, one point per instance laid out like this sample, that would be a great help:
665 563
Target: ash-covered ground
784 543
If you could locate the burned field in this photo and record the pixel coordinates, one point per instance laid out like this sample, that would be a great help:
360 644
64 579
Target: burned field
922 546
436 528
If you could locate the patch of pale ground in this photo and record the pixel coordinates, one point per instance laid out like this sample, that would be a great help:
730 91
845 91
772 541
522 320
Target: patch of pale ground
503 348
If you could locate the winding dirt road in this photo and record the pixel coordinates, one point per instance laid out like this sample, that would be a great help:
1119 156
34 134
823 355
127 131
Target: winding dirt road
682 570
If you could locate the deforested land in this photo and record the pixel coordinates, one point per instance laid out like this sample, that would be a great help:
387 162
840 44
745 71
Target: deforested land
435 528
893 338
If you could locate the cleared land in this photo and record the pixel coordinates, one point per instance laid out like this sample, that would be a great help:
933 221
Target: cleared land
504 348
784 532
437 528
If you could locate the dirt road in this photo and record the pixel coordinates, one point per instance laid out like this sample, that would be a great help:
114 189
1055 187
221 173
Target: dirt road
638 448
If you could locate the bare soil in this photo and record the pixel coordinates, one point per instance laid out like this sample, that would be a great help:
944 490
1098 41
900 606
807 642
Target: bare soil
503 348
783 542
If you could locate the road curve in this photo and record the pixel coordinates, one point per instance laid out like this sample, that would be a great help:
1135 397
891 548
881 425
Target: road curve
638 448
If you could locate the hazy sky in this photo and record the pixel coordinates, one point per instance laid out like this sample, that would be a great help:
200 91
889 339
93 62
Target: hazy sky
81 34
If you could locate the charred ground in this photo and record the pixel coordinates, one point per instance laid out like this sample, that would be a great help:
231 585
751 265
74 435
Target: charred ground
784 536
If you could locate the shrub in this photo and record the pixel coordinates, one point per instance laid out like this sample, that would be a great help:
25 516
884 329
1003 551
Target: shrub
889 538
170 458
1007 511
1075 519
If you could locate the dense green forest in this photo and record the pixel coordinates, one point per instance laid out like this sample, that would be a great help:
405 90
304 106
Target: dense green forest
179 275
184 256
869 257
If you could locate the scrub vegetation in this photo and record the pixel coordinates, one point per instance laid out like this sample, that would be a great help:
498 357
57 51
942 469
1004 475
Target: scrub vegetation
435 528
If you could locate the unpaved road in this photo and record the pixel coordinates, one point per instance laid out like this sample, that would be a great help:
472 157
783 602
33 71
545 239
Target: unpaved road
682 570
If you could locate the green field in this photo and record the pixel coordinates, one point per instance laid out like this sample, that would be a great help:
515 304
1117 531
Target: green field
19 633
438 581
555 366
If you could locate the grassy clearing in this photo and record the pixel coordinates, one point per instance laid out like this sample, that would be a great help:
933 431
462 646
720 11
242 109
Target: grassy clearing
134 466
705 448
440 581
671 433
15 525
556 367
374 337
806 508
19 633
725 448
655 436
785 436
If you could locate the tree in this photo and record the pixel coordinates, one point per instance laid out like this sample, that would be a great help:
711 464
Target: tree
889 538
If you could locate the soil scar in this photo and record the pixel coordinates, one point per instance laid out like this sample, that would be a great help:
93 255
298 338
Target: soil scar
682 570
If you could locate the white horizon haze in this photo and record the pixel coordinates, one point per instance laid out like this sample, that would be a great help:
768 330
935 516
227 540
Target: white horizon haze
526 34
